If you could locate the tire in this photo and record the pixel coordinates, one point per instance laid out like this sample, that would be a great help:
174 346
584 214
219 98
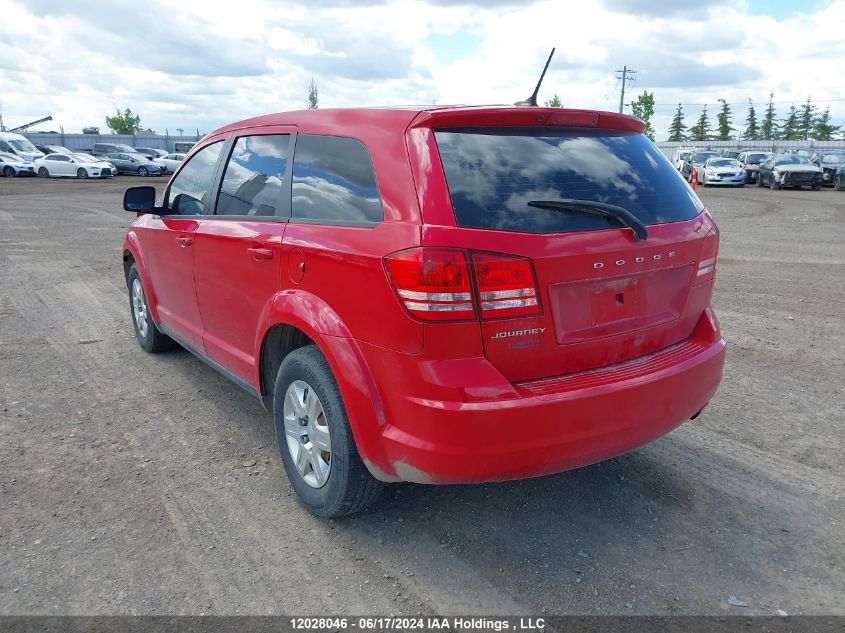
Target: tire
8 172
816 187
774 185
332 487
837 183
142 171
149 337
43 173
81 173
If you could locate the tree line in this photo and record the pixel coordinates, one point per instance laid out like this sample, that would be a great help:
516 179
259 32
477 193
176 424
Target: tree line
799 124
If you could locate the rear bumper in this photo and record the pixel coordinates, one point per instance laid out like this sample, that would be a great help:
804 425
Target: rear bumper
552 425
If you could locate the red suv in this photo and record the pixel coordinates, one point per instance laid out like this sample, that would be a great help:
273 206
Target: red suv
437 295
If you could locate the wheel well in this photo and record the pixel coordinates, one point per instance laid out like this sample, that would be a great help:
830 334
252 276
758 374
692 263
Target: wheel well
279 341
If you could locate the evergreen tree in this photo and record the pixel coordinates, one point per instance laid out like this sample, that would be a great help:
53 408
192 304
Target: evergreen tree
805 120
769 128
822 129
724 120
752 130
313 96
643 109
554 102
789 129
677 128
701 130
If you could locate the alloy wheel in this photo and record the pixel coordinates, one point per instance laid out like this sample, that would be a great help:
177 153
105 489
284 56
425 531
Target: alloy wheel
307 433
139 308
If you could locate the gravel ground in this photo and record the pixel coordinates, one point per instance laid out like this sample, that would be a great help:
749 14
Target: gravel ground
134 484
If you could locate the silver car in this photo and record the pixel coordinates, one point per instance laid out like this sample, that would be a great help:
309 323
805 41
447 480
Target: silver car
723 171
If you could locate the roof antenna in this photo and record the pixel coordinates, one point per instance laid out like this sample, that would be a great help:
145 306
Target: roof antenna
532 100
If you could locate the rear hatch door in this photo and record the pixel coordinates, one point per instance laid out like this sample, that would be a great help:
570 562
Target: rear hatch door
604 295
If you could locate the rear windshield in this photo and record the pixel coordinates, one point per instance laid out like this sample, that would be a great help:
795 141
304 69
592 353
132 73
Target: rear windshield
493 173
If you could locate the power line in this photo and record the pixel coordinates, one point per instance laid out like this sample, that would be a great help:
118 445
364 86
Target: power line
625 79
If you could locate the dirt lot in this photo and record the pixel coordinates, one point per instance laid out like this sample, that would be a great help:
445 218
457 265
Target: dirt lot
138 484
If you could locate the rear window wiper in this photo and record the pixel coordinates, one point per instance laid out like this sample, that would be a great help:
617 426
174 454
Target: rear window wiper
596 208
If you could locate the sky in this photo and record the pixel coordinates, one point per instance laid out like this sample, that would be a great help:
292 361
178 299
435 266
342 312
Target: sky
200 64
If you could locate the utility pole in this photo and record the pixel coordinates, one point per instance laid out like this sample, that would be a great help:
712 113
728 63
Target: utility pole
625 75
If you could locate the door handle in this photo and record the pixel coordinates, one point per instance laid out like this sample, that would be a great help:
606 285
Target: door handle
260 254
184 240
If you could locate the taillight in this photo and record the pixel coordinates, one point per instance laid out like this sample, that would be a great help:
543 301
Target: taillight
709 253
506 286
433 283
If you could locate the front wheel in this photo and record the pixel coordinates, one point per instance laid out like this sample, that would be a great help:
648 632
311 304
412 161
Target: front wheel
837 183
81 173
149 337
773 183
315 440
142 171
816 186
42 171
8 172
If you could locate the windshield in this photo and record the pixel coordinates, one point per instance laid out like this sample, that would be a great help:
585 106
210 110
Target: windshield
792 160
22 145
493 174
86 158
723 162
833 159
756 159
700 157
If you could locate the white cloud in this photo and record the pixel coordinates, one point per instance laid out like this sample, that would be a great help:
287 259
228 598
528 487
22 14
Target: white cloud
196 64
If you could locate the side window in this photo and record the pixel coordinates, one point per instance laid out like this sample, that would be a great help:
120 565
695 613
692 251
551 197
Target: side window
252 184
4 147
334 181
189 191
61 158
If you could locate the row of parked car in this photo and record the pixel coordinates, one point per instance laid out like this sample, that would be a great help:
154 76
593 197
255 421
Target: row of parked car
19 157
794 167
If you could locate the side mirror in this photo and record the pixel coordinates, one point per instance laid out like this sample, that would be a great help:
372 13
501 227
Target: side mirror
139 199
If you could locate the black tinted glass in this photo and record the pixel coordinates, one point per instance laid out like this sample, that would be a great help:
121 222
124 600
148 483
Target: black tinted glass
493 173
252 184
189 190
334 181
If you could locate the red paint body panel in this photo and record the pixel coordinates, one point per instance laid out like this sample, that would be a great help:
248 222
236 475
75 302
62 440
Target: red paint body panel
619 354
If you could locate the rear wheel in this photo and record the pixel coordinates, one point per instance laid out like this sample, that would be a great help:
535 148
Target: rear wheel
315 440
8 172
42 171
142 171
149 337
81 173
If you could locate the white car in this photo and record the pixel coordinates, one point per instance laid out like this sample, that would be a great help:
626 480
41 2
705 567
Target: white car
171 162
723 171
12 165
73 165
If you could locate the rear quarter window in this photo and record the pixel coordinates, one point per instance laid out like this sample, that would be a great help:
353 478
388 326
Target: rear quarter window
492 174
334 182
